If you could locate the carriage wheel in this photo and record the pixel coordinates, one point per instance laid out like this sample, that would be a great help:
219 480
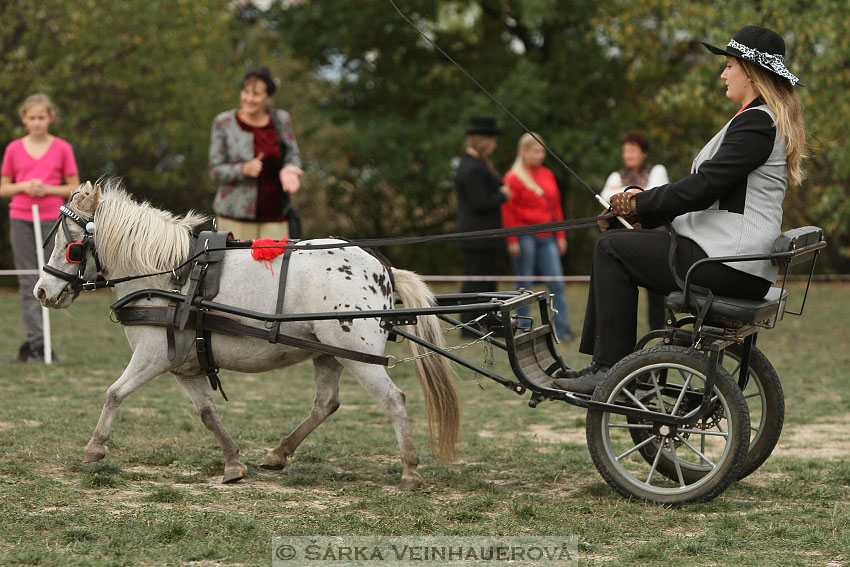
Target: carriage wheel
668 380
766 407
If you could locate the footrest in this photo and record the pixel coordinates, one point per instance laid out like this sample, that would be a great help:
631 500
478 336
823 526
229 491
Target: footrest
733 311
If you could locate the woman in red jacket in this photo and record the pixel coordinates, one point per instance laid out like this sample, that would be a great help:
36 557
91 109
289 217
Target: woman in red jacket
536 200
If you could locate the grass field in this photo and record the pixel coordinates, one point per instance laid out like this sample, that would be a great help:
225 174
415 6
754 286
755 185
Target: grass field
156 499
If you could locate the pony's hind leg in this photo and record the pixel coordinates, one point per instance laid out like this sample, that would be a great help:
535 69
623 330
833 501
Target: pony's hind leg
198 389
327 371
375 380
141 370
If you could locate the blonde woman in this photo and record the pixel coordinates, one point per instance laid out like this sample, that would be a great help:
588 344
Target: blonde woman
730 204
38 169
536 200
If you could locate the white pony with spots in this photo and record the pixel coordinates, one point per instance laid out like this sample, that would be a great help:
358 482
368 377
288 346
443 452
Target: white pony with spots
133 238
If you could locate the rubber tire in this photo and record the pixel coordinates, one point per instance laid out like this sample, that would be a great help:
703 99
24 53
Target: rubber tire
770 422
738 427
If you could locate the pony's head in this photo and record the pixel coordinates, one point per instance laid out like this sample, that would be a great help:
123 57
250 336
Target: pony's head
106 232
73 258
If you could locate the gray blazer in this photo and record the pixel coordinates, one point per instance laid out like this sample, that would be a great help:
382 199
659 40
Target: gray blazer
230 147
722 232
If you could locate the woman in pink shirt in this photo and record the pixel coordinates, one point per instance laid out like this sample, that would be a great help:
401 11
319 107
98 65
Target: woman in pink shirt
38 169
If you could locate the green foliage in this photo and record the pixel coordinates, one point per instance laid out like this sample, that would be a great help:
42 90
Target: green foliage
380 113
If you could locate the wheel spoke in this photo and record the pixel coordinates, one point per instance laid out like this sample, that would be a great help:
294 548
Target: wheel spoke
734 372
654 377
682 393
678 465
753 395
635 400
699 453
635 448
655 462
704 432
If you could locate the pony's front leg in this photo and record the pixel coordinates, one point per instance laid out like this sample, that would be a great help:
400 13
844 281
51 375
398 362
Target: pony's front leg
199 390
141 370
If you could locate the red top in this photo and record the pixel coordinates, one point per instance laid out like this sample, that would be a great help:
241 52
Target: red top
526 208
268 183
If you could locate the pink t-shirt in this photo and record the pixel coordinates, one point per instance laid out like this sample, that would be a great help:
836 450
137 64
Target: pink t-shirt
52 168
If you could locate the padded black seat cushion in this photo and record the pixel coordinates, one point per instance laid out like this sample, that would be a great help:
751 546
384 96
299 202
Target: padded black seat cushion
730 310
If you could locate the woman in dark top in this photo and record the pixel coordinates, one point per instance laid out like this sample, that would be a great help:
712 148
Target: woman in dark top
480 194
730 204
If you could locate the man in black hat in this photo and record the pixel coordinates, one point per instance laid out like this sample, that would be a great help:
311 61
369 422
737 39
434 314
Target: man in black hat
480 193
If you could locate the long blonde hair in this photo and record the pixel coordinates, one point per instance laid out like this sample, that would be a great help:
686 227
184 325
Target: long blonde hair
520 170
780 96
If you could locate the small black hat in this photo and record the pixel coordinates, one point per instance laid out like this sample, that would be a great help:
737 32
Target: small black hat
264 75
485 125
761 46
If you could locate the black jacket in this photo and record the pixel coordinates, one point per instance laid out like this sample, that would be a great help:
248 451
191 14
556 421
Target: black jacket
478 202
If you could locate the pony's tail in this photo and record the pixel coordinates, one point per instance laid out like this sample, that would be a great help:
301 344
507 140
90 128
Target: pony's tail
435 374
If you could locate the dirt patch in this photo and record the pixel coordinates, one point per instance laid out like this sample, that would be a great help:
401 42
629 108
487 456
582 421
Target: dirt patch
826 440
541 433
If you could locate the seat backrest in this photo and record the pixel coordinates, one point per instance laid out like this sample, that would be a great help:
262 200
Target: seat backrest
797 245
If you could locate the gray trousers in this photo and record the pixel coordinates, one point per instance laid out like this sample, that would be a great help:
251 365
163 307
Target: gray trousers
23 248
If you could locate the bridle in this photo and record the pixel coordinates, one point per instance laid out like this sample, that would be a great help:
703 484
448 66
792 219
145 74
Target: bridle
77 252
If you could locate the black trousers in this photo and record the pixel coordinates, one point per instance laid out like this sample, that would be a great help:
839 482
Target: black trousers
624 260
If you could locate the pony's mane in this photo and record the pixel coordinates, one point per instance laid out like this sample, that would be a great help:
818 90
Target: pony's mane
137 238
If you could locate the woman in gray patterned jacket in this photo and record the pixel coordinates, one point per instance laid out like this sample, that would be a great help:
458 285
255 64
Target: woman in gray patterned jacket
730 204
255 162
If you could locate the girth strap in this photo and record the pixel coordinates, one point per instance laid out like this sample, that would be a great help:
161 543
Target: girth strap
217 323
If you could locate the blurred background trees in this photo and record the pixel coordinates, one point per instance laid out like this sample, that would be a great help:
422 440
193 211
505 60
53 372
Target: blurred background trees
380 114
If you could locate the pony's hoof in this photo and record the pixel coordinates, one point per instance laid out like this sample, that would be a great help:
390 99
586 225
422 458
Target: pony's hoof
233 474
410 483
93 455
273 462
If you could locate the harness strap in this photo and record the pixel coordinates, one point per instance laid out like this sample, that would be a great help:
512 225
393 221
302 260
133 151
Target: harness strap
204 348
198 272
281 292
170 316
219 323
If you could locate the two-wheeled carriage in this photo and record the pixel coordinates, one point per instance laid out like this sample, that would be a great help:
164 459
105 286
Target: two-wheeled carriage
671 424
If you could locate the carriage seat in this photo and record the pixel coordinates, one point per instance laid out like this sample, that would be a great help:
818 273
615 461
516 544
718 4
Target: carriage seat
731 311
790 248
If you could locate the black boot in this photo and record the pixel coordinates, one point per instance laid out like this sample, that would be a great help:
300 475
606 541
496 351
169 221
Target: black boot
24 351
582 381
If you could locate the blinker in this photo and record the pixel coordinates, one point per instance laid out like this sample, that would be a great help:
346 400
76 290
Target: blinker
74 253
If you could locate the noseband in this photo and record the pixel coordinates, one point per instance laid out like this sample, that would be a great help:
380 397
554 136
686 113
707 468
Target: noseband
76 252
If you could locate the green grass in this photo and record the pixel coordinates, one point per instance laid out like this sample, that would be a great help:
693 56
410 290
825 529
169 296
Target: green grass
156 498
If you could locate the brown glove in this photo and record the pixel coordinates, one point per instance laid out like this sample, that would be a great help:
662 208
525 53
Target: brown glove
623 205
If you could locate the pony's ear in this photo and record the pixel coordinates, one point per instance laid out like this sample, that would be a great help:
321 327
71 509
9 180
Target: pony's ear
86 200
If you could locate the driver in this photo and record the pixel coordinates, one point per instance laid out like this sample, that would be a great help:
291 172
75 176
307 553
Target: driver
730 204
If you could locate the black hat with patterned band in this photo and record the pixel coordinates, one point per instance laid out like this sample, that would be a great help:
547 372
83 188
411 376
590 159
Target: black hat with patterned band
761 46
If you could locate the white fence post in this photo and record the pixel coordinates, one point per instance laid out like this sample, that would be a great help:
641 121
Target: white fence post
45 313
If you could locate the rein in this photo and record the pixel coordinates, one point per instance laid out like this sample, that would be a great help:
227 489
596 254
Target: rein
78 282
